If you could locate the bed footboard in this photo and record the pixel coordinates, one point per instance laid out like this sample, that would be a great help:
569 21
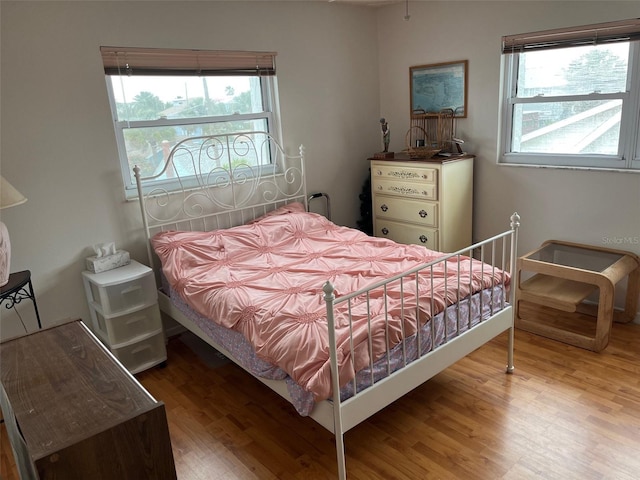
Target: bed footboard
499 254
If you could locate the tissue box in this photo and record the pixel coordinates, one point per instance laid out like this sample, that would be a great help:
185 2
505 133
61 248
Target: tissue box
109 262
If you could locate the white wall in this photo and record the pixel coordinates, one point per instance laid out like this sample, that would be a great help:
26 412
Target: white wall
340 68
598 208
57 140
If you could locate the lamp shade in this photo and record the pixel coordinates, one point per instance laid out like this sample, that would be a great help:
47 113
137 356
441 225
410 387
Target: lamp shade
9 196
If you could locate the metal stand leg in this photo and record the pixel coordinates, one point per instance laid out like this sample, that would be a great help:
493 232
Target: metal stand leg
35 305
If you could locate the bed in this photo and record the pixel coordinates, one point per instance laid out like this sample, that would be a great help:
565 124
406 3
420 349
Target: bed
339 323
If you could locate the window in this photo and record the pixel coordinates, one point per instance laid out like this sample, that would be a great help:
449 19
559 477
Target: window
571 97
159 97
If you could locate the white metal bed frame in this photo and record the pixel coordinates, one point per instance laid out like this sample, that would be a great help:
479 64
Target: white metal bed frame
240 176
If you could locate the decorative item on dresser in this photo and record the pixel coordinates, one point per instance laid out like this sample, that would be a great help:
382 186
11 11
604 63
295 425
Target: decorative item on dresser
432 130
428 203
386 138
72 412
125 314
419 148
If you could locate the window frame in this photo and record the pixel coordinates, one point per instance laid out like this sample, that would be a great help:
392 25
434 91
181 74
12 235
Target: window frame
627 157
270 114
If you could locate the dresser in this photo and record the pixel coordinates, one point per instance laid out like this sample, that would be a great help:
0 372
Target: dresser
425 202
124 311
73 412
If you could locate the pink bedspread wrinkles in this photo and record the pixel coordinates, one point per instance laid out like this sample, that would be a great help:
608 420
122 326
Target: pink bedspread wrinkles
265 280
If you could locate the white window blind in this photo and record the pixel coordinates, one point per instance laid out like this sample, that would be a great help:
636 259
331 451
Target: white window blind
596 34
159 61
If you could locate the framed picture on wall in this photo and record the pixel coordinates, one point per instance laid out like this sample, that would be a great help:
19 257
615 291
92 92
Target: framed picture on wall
439 86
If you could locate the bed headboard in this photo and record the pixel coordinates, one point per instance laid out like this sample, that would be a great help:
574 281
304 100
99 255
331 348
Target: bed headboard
219 181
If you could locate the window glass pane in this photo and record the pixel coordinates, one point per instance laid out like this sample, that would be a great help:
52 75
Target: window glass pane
573 71
152 98
149 147
567 127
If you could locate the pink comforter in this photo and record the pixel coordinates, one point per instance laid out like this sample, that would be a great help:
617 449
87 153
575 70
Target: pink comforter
265 280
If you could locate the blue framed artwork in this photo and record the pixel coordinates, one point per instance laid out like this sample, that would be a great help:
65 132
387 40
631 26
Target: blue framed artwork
438 87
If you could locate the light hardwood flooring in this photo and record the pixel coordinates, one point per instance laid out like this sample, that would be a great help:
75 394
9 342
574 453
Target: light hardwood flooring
566 413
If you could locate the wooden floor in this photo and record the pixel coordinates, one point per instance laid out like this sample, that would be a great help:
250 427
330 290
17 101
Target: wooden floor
566 413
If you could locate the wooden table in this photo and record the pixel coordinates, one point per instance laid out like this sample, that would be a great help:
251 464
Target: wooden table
565 274
73 412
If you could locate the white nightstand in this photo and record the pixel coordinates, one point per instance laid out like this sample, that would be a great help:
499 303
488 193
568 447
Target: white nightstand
125 314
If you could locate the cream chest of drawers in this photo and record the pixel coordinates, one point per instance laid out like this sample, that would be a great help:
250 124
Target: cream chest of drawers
426 202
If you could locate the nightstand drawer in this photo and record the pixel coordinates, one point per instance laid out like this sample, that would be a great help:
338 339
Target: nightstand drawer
117 298
423 191
142 354
403 233
415 211
402 173
127 327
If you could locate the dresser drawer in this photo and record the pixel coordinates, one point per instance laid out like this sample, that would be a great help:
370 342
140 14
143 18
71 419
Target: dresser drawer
415 211
403 233
402 173
427 191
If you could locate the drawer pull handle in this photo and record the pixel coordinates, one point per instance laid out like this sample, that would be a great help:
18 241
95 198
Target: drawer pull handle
422 214
423 239
384 207
385 231
132 320
140 349
131 289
